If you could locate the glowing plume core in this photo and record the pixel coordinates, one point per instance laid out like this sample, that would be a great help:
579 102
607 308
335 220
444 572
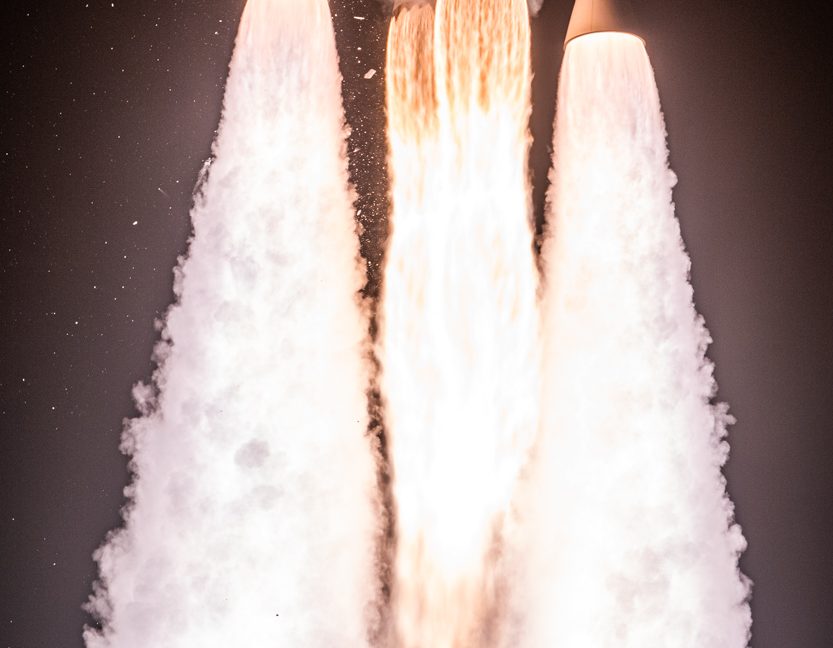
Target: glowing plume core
459 318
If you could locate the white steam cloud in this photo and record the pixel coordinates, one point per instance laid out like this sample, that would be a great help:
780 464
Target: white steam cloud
633 541
253 518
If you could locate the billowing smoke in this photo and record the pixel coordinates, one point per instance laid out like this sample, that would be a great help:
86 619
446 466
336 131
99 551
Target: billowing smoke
632 536
556 462
252 517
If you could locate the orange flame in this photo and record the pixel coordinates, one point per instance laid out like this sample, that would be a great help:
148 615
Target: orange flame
459 330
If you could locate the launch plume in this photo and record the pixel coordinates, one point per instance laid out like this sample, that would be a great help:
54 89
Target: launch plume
633 539
459 317
252 517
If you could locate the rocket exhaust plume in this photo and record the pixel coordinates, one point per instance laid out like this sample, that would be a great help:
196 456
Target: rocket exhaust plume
252 518
459 334
633 540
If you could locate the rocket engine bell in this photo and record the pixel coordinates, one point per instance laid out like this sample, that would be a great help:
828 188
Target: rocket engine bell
593 16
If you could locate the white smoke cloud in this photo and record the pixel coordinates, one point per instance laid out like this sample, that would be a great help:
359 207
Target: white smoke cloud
252 519
631 535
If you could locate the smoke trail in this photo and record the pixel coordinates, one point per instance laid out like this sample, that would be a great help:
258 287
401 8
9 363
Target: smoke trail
459 318
635 544
252 520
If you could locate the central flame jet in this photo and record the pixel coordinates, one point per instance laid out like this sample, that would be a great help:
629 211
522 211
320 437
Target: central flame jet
459 335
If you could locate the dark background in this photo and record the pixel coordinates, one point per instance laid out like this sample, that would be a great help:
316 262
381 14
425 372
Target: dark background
108 111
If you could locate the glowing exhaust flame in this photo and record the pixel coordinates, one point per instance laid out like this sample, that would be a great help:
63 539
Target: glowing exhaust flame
252 519
632 535
459 318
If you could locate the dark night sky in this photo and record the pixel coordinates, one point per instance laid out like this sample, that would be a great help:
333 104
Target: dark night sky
108 111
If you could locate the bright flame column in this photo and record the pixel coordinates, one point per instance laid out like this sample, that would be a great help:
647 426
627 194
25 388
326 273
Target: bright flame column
252 519
459 320
632 540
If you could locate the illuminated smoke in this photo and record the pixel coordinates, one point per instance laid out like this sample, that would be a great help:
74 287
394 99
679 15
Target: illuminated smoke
252 519
633 540
459 318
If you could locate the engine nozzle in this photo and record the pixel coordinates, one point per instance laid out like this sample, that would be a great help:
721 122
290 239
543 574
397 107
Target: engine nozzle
594 16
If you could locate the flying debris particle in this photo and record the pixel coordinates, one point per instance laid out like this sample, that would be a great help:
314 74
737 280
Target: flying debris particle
135 223
370 74
359 18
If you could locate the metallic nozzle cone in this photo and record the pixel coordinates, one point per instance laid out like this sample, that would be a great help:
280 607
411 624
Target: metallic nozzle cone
591 16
